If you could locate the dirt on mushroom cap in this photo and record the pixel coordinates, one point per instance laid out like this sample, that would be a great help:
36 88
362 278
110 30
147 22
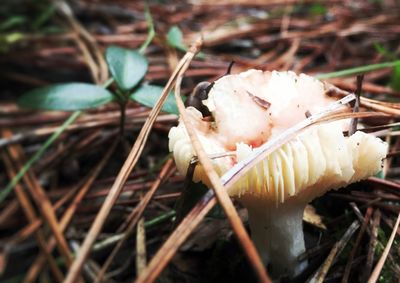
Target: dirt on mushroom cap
240 118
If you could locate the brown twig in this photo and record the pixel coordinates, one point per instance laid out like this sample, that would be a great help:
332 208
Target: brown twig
134 155
44 204
140 247
8 211
134 217
372 245
86 43
180 234
321 273
32 217
378 268
69 213
220 192
356 107
364 225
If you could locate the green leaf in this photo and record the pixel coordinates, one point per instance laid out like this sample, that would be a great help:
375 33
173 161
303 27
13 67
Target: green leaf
148 95
395 79
12 22
151 32
44 16
127 66
317 9
68 97
13 37
380 49
175 38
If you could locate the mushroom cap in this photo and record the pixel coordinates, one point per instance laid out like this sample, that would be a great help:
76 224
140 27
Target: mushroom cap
252 107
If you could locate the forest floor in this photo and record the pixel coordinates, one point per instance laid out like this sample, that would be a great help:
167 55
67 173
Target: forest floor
69 186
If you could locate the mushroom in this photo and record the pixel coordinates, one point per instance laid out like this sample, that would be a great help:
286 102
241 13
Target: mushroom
248 110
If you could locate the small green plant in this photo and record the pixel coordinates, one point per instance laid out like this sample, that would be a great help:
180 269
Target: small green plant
127 67
80 96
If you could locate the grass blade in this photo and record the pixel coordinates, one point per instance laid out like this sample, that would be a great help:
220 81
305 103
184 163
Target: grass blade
359 70
7 190
151 32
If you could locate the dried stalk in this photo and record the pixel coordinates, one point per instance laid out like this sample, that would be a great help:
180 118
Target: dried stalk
44 204
32 217
70 211
378 268
220 192
133 218
128 166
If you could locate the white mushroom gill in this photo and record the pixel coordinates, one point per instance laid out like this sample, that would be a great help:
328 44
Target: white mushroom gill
251 108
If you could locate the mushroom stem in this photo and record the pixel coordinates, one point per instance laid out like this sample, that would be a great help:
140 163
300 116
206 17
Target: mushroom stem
277 232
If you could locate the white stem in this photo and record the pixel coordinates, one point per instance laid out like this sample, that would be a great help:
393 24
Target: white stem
277 232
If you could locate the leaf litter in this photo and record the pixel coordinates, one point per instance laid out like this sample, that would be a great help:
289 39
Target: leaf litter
302 37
